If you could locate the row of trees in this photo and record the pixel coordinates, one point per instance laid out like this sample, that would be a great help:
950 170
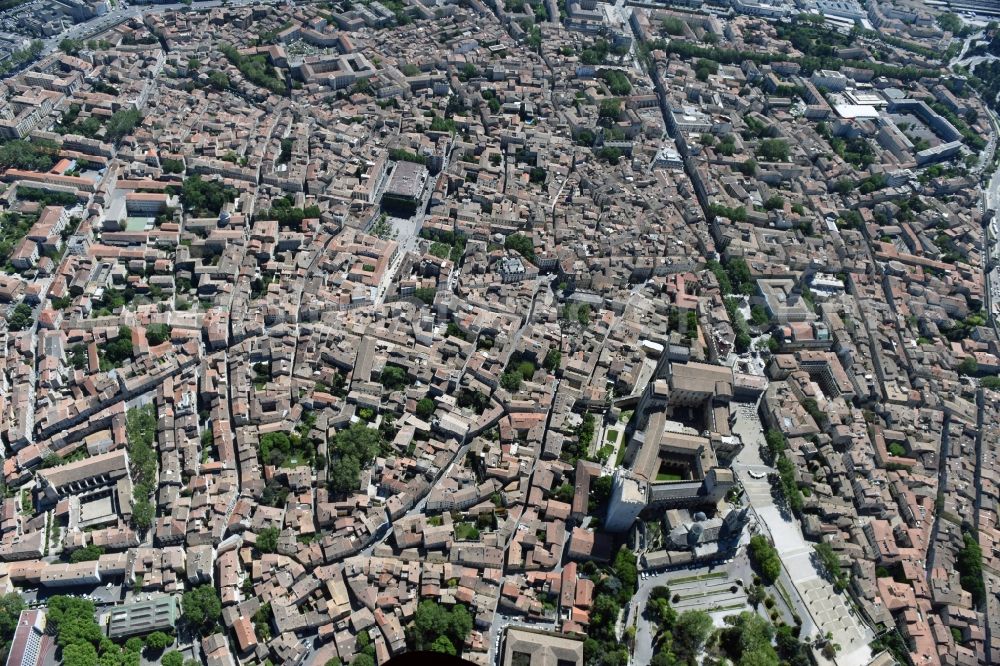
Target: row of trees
970 568
808 63
775 451
614 588
764 558
140 425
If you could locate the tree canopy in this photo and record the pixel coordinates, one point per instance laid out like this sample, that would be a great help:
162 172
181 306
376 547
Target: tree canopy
202 608
11 606
425 408
970 568
205 197
438 628
764 558
158 640
172 658
747 640
353 448
267 539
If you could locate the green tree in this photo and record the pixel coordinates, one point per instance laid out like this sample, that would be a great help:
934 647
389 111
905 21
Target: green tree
443 645
425 408
157 334
256 69
72 620
600 488
121 123
764 558
425 294
968 366
11 605
610 109
747 639
86 554
511 381
143 513
627 572
831 563
21 318
205 197
690 632
267 540
172 165
564 493
970 568
345 475
990 382
432 621
79 654
158 640
773 150
672 26
393 378
950 22
775 444
522 245
353 447
585 431
553 359
201 607
172 658
789 648
36 155
756 595
70 46
704 68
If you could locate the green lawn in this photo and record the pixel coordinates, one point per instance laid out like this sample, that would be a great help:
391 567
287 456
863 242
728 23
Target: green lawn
610 436
708 576
621 454
466 531
663 476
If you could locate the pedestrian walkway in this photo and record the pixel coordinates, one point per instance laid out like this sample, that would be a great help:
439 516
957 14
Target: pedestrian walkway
821 608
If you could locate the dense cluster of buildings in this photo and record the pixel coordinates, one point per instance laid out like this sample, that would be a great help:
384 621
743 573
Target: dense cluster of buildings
401 284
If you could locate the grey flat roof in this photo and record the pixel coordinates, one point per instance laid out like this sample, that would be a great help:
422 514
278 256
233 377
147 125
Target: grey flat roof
407 180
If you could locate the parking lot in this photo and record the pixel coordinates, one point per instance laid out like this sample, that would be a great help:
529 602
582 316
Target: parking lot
101 595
